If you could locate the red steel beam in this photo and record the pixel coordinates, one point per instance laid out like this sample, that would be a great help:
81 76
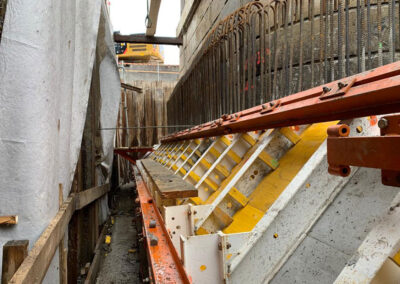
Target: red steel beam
163 258
370 93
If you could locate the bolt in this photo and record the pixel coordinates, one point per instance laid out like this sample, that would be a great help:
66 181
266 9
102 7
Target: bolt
263 106
271 104
153 240
383 123
325 89
341 85
228 245
220 246
275 235
152 224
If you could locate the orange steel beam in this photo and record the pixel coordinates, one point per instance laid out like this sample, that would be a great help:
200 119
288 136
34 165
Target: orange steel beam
163 258
370 93
380 152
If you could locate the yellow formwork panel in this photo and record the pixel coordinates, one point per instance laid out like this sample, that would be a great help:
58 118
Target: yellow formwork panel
244 220
275 182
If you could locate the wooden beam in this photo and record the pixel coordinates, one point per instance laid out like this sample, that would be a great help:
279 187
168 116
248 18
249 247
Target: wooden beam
153 17
95 265
132 88
9 220
14 253
135 38
89 195
62 251
34 267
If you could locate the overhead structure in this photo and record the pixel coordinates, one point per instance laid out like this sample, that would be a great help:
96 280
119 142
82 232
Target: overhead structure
152 17
261 205
139 38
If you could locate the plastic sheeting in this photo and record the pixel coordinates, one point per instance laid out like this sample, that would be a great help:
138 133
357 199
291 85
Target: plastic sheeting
47 56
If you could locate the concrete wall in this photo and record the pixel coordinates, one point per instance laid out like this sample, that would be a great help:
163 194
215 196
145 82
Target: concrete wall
205 17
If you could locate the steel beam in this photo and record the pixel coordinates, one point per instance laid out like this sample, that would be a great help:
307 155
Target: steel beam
370 93
148 39
379 152
165 264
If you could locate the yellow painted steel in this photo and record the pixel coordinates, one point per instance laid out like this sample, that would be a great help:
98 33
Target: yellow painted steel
268 160
290 134
222 217
238 196
196 200
235 157
244 220
215 152
275 182
234 171
202 231
249 139
222 169
396 258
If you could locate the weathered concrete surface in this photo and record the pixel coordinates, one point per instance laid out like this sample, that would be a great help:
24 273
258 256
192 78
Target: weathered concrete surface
340 230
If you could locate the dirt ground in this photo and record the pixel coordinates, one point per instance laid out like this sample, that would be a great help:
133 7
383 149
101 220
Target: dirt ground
120 259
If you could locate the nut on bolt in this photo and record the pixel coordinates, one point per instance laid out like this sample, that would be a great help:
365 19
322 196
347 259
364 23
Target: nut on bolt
341 85
152 224
383 123
325 89
153 240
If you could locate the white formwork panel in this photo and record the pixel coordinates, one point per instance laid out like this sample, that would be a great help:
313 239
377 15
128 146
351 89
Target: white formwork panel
179 221
286 223
202 258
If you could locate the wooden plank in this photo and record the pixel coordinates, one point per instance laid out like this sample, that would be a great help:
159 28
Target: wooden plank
14 253
153 17
34 267
167 184
62 251
88 196
130 87
74 228
134 38
9 220
95 265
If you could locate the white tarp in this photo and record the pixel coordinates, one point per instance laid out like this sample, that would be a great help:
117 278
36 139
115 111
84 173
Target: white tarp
47 54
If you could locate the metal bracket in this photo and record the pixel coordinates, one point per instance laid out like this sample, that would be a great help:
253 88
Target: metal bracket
380 152
340 89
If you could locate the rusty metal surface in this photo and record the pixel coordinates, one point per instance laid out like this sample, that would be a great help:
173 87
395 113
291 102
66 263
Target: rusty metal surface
381 152
165 264
373 92
267 50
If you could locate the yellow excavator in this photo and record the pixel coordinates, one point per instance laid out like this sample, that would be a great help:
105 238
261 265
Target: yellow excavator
138 53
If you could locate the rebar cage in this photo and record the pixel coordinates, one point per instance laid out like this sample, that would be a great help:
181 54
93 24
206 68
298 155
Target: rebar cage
269 49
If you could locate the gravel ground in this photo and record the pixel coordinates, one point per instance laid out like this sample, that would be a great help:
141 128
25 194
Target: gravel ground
119 264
